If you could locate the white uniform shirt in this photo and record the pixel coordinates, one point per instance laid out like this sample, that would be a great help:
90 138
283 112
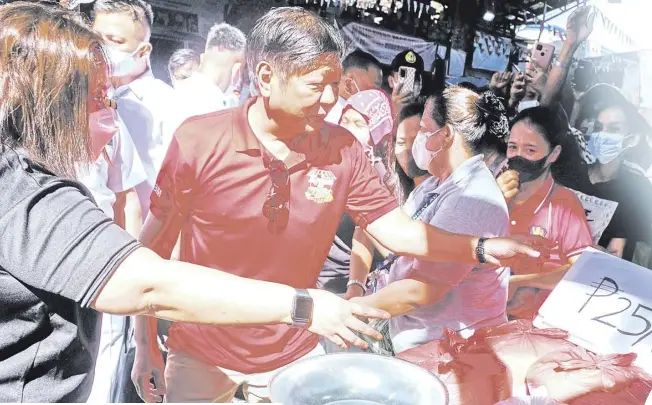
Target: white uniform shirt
197 95
123 172
144 105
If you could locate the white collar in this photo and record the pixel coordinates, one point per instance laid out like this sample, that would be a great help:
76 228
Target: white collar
138 86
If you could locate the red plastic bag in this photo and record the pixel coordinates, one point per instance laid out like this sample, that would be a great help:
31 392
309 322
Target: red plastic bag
530 401
635 394
518 344
569 375
472 374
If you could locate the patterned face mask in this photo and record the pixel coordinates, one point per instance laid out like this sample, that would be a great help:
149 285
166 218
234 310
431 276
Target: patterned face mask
376 107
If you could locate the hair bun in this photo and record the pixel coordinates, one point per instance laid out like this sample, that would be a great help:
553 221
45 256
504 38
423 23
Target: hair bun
493 114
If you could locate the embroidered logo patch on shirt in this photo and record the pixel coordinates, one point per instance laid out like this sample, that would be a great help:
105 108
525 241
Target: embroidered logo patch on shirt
538 231
320 189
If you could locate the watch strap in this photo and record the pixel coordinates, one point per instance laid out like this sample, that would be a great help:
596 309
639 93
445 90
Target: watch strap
302 307
479 251
359 284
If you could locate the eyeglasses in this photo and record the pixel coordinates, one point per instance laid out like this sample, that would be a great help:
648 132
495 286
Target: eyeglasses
103 102
277 205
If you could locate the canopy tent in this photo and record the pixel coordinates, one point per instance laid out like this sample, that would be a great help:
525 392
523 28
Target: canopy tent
385 45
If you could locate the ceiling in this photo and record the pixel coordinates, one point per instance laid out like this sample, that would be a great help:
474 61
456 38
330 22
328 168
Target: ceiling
510 13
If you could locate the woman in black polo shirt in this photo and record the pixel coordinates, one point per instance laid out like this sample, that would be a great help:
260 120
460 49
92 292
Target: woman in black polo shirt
61 258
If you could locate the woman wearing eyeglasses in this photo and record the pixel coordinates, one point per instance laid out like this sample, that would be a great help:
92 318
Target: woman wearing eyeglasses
62 261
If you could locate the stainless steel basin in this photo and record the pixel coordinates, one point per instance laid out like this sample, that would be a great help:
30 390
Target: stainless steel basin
356 379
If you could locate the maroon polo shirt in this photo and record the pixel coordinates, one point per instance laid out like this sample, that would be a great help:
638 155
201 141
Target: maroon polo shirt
555 213
213 185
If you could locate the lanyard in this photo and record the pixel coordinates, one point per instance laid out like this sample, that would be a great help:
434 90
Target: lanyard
392 258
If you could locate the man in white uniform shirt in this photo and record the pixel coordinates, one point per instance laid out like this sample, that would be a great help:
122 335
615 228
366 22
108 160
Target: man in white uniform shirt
143 101
360 71
114 176
217 83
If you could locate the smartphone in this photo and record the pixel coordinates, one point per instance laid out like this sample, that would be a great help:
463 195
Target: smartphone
407 76
584 76
542 54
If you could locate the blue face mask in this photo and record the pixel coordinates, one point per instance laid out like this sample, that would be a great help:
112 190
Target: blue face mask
607 146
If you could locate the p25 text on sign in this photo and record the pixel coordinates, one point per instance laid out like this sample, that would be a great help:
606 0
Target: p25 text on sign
605 304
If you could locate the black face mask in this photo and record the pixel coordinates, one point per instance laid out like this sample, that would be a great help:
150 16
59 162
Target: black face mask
413 170
528 170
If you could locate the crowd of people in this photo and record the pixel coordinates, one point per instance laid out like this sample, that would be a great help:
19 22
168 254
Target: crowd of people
282 200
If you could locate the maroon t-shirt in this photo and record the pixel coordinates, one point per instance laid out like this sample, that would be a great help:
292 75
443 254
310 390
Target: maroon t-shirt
213 185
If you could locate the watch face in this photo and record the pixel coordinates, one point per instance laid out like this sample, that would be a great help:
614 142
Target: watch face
303 309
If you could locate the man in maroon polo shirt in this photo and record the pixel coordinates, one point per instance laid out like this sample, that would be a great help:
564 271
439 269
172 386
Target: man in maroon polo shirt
258 191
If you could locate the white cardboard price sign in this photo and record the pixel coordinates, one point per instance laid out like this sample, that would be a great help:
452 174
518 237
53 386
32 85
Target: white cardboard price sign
598 213
605 304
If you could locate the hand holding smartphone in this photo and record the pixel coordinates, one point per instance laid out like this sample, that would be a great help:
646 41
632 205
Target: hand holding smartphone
406 79
542 55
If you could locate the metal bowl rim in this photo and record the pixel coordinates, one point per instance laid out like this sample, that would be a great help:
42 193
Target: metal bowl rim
412 365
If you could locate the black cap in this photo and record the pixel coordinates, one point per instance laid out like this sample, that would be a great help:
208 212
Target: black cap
408 58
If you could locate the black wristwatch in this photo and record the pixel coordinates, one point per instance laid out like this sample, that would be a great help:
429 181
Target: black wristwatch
479 250
302 307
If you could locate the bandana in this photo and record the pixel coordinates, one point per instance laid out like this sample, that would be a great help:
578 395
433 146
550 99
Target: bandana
375 106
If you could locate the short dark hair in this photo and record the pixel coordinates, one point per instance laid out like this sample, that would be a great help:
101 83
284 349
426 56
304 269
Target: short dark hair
139 10
411 110
226 37
179 58
291 39
552 124
361 60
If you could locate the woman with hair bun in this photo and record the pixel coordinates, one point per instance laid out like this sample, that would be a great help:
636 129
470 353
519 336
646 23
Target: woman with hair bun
462 196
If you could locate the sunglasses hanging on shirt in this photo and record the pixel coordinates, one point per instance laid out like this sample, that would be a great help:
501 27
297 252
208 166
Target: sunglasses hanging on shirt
277 205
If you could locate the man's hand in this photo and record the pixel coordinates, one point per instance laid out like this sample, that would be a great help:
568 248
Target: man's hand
508 183
518 90
499 83
516 249
580 25
148 364
335 319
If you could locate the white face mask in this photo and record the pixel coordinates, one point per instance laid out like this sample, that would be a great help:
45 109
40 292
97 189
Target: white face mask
124 63
421 155
524 105
103 127
357 88
607 146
